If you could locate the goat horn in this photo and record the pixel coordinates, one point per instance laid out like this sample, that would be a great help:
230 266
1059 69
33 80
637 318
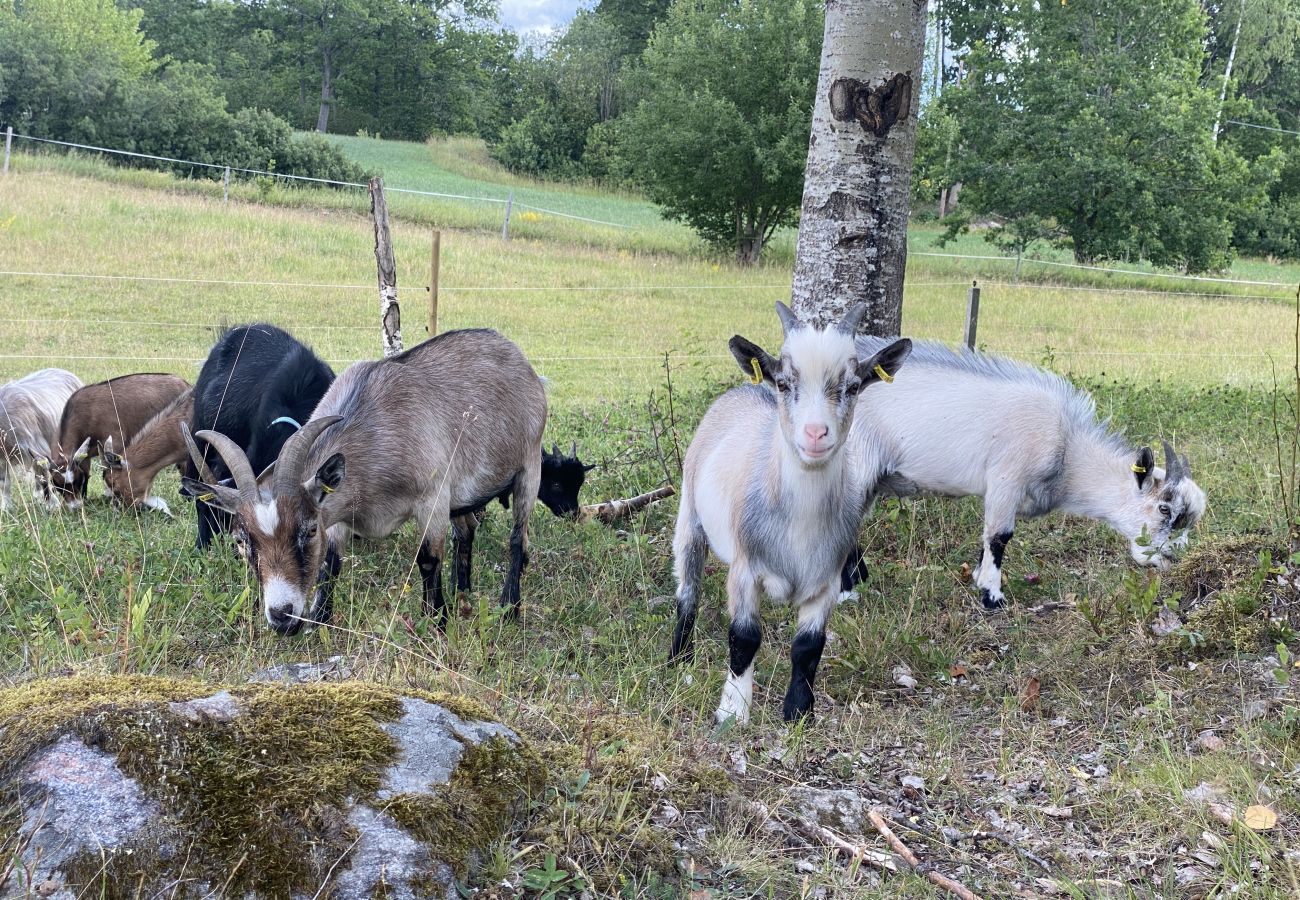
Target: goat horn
233 456
200 465
574 451
1184 466
1173 466
789 321
293 456
852 319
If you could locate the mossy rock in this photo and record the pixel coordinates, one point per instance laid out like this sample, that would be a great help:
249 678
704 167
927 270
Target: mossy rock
128 786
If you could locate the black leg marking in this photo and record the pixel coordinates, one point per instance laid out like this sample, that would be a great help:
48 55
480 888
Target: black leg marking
854 571
434 604
744 638
510 598
683 644
989 602
998 545
463 547
692 567
322 609
805 656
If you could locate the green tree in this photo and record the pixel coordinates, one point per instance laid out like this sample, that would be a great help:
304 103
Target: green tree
1091 114
721 135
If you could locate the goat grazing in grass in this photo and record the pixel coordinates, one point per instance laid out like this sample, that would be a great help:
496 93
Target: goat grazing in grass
30 410
768 486
430 434
1028 442
256 386
96 415
129 475
562 478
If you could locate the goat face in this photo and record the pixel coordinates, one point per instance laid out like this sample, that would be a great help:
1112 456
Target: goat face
65 479
1168 505
562 479
278 522
817 379
123 490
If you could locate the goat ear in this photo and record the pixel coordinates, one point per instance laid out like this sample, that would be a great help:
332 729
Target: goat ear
1144 467
82 452
587 467
754 361
221 496
327 478
112 460
884 364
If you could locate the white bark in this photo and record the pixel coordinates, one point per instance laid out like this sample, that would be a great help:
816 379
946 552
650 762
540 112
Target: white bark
1227 71
390 313
853 231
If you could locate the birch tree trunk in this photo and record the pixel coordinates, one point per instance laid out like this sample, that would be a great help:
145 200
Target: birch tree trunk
326 91
853 232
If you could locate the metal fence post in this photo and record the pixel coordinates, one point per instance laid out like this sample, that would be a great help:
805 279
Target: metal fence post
9 141
505 226
972 314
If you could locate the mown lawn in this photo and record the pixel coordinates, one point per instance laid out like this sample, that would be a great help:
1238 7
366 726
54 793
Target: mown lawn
1062 725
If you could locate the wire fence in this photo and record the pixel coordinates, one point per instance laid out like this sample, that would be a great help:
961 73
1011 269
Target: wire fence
1011 334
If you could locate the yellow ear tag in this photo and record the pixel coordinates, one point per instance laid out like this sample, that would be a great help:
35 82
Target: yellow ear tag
205 498
757 377
1141 470
327 489
884 376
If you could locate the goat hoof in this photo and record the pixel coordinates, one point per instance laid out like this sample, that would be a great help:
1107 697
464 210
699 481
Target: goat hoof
990 602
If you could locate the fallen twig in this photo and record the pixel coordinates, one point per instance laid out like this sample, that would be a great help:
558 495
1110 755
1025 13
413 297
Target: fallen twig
815 832
901 850
612 510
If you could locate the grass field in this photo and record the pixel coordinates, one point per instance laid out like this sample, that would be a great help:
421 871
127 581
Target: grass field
1086 772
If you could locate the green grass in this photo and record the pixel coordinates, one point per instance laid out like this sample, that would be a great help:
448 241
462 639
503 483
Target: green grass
584 675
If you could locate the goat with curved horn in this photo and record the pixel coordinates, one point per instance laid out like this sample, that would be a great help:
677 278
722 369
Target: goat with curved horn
399 449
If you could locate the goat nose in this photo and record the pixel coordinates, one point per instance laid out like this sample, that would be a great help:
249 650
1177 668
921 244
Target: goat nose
816 433
280 614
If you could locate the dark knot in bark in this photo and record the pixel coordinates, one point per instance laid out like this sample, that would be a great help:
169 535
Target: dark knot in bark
875 109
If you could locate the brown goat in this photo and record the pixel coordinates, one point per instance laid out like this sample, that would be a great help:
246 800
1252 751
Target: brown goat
129 476
430 434
107 409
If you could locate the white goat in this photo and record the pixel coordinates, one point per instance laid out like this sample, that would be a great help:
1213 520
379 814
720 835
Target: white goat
767 486
30 409
1028 442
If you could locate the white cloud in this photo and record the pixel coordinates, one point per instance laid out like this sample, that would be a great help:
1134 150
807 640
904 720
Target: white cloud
545 16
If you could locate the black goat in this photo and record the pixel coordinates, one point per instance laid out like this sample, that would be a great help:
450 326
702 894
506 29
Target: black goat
256 387
562 479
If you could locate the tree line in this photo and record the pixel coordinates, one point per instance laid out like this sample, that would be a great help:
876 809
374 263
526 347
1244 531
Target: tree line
1110 127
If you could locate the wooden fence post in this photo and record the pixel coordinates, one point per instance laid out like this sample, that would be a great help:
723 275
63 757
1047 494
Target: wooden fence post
9 141
972 314
225 187
434 263
390 314
505 226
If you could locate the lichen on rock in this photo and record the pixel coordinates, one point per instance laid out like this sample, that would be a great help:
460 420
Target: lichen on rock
263 790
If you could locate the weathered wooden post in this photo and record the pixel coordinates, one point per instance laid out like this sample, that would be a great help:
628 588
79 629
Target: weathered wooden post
225 187
505 226
390 314
434 262
9 142
972 314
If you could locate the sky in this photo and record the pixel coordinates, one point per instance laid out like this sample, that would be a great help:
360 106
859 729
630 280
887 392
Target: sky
541 16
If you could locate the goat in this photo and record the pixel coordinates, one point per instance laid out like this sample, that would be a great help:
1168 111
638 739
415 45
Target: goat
257 384
562 478
768 485
95 415
129 476
30 410
429 434
1028 442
